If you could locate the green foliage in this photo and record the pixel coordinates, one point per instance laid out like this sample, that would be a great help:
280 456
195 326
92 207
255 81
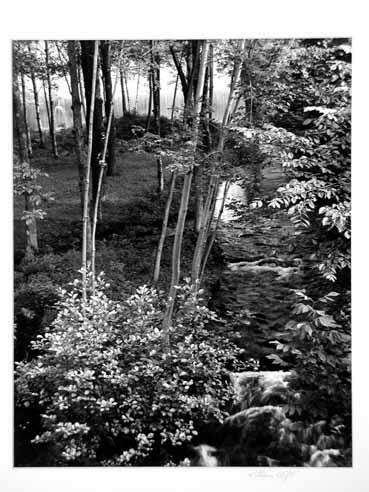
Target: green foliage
318 347
108 393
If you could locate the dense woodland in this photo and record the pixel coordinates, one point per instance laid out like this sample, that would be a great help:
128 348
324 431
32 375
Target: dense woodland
182 282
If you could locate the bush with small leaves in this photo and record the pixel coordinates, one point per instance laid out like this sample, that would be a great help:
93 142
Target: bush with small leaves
110 394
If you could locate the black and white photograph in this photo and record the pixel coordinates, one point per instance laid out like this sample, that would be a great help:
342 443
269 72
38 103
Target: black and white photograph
182 252
181 258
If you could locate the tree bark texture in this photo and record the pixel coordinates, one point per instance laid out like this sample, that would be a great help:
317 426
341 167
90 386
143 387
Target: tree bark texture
91 49
87 57
105 50
26 127
164 228
77 116
37 103
124 100
51 104
155 70
149 109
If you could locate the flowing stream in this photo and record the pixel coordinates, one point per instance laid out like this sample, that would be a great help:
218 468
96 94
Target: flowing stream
261 269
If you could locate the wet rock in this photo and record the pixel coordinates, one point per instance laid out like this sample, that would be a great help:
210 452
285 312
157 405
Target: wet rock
250 436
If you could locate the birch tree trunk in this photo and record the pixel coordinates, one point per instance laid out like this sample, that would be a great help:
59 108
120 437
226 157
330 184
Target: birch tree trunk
26 127
164 228
174 99
149 109
176 258
51 104
137 89
87 57
46 103
37 103
81 89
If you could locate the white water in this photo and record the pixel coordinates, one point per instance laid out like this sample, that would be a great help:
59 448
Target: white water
236 193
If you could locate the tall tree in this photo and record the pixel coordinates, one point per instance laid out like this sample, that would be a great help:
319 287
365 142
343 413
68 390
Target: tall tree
105 51
124 97
155 72
87 57
51 103
89 65
36 100
155 82
25 119
77 116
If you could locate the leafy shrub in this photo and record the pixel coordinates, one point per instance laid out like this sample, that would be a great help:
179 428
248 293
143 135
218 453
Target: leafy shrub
320 350
107 391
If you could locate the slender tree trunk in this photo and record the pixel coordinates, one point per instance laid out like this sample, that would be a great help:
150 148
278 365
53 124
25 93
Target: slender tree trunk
137 88
87 57
190 102
174 99
205 112
77 117
205 227
214 233
31 224
91 91
176 258
178 239
51 104
198 171
124 101
105 48
164 228
251 103
46 103
229 106
127 93
102 163
26 127
81 89
211 81
37 103
149 110
160 175
181 74
155 70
